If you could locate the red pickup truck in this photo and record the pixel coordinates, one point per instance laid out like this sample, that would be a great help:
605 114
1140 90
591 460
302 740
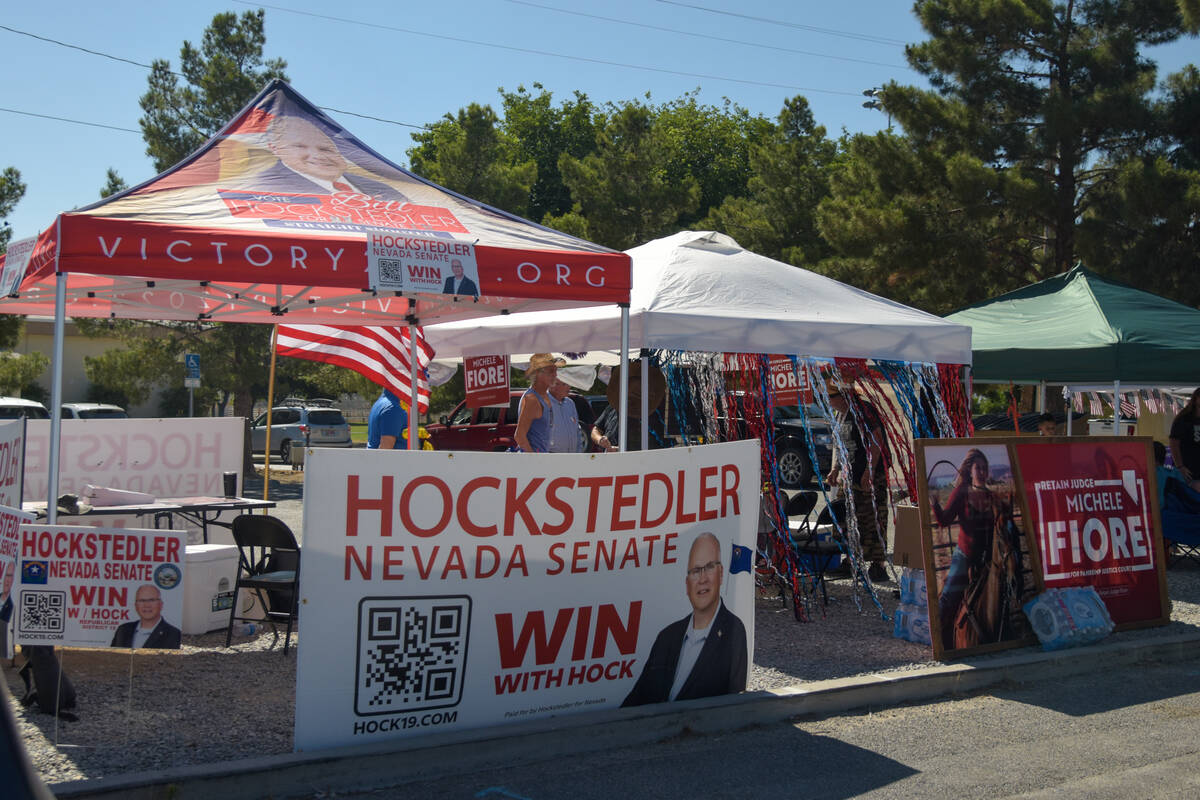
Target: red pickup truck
491 429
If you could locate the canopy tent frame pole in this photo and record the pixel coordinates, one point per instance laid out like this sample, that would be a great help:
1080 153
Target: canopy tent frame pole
1070 409
270 414
1116 406
414 381
1042 397
60 325
623 402
645 399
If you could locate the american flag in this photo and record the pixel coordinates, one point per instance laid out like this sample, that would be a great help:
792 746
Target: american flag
379 354
1094 406
1129 408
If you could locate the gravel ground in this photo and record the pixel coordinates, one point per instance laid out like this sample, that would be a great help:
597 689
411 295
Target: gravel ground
208 703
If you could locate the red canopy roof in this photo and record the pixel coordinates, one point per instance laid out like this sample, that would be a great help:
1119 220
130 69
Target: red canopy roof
285 212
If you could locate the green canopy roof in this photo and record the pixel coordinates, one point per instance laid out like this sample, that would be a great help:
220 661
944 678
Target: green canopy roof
1078 327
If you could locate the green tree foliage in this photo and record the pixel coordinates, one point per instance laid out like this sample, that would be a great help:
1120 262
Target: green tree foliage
222 75
113 183
619 175
17 372
789 176
624 190
11 192
471 154
540 132
1035 109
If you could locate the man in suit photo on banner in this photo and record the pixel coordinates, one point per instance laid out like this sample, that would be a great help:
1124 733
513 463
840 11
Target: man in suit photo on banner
703 654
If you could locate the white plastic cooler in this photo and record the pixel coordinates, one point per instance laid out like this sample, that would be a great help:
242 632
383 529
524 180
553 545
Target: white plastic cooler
208 587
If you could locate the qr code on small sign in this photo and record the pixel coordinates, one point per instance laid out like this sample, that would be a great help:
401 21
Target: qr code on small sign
42 612
412 653
390 271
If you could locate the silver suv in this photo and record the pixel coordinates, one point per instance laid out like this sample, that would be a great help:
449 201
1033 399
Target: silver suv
301 422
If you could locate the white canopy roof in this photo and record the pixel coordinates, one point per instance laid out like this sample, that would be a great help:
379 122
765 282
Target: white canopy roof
700 291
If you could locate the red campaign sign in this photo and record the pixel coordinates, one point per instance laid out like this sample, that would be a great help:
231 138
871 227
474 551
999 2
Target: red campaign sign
1093 511
343 207
791 386
486 380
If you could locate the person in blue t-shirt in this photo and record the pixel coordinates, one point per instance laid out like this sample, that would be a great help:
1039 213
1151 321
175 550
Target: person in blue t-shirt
387 425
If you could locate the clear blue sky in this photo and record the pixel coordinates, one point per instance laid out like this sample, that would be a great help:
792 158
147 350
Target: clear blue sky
413 62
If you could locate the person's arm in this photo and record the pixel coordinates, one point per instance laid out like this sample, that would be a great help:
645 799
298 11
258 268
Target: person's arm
530 410
954 507
601 440
387 442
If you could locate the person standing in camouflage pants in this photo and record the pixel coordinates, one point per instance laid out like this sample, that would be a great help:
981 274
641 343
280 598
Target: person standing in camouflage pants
865 477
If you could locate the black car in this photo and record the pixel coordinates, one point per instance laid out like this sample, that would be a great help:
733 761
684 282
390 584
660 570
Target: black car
791 442
791 445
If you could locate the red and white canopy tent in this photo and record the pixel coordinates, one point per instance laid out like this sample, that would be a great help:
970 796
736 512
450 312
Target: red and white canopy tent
284 216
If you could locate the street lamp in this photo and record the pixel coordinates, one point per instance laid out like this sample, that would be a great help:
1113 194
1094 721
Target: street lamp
874 103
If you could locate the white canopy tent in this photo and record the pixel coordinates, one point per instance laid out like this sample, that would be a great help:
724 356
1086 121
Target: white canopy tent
700 291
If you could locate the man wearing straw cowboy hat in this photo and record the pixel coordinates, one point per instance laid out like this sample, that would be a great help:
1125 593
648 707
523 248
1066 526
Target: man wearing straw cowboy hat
861 431
535 419
605 434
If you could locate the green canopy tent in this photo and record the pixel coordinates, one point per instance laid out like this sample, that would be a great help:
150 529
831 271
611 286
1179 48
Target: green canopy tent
1080 328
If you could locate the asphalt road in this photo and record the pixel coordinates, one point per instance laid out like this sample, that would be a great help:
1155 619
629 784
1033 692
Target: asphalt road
1128 733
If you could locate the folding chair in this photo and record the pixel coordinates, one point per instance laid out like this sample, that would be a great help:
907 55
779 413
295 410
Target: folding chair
1181 529
269 565
815 551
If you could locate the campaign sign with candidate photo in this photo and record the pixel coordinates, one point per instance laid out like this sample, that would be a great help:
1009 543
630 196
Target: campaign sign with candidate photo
455 592
99 587
11 520
1093 504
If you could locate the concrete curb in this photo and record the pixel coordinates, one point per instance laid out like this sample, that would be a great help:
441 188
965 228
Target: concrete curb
365 767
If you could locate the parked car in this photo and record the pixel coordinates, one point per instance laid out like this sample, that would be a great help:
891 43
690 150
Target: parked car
17 407
792 456
791 445
301 423
491 429
93 411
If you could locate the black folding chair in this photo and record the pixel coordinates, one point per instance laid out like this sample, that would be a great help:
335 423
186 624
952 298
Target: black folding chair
816 552
269 565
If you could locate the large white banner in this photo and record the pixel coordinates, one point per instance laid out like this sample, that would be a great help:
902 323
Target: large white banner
12 461
442 591
163 457
99 587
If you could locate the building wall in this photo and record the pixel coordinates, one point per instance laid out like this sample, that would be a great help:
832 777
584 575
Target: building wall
39 338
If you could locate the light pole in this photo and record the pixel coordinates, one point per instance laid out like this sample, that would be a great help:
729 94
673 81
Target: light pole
877 92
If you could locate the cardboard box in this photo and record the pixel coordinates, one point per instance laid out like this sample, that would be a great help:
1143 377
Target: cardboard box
906 546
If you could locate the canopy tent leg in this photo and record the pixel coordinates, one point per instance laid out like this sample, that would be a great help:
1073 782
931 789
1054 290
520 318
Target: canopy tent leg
414 383
623 403
645 400
1042 397
270 415
1070 408
1116 408
60 324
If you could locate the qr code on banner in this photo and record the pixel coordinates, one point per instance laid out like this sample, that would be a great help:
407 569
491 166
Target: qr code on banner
390 271
412 653
42 612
